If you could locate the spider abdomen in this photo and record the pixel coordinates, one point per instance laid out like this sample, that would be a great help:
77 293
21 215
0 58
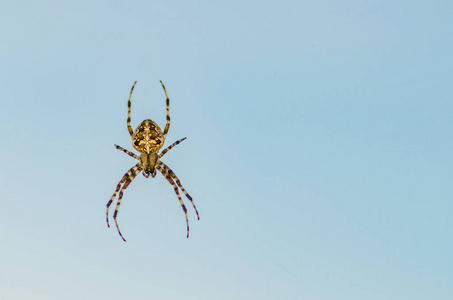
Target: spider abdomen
147 137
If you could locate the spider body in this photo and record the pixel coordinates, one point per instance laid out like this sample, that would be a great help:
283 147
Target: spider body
148 139
148 164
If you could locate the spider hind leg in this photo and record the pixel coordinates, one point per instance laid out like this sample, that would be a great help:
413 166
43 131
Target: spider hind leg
129 128
167 126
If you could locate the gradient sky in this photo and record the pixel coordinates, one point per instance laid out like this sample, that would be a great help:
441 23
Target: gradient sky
319 149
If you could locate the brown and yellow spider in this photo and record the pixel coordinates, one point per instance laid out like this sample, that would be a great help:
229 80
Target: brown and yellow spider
148 139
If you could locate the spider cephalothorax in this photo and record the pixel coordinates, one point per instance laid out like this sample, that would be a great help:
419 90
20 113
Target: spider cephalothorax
148 139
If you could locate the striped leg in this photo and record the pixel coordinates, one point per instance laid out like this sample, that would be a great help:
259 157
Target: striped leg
173 175
167 126
129 111
127 152
129 179
113 197
171 146
164 172
125 177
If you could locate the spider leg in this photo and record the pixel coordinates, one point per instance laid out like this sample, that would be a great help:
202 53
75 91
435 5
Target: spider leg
129 111
167 176
171 146
120 196
113 197
173 175
127 175
128 152
167 126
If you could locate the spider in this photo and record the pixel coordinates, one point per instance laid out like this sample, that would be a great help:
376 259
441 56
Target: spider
148 139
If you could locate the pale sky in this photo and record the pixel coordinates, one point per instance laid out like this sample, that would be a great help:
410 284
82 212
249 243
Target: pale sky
318 151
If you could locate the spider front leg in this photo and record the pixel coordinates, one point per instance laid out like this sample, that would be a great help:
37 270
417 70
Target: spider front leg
176 179
126 184
125 181
161 167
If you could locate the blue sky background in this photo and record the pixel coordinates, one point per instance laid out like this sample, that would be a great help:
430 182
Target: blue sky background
319 149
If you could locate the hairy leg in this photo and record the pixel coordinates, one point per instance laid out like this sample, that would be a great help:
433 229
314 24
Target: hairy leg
127 175
167 126
166 169
167 176
129 128
171 146
128 152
